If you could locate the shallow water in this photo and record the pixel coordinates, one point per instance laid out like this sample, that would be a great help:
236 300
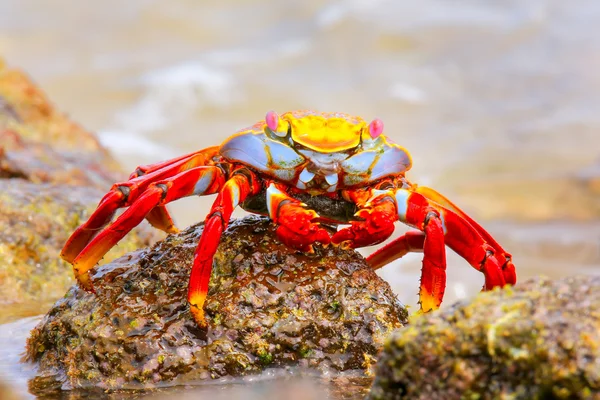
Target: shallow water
294 384
497 101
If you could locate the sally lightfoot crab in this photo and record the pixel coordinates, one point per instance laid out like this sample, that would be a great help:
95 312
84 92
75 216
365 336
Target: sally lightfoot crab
304 169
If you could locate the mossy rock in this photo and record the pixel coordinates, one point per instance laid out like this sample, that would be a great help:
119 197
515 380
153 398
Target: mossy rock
35 222
539 340
268 306
52 175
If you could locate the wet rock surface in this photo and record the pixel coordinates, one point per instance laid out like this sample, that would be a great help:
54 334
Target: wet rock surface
35 222
268 306
539 340
52 175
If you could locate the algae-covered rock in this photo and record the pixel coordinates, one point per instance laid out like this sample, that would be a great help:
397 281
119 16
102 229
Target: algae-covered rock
52 175
35 222
540 340
268 306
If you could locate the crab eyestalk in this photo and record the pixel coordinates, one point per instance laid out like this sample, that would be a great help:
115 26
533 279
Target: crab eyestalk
275 124
376 128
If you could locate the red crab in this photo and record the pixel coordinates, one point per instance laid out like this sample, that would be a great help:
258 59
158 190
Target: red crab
300 169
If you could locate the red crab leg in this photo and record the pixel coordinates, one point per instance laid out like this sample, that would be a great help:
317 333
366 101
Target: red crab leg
379 214
125 193
298 227
235 191
159 217
433 272
505 259
195 181
411 241
442 225
206 153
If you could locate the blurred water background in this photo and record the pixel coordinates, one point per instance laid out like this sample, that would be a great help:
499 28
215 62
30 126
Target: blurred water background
498 101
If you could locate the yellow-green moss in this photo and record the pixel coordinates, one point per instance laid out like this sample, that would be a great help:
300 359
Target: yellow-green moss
535 341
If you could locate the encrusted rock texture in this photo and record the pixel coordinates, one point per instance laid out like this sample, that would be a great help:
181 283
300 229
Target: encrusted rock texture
268 306
539 340
52 175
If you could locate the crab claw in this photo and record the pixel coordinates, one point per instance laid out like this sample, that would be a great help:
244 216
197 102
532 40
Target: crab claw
375 226
303 241
298 228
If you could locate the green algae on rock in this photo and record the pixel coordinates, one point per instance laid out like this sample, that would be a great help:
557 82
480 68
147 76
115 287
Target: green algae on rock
35 222
52 175
268 306
539 340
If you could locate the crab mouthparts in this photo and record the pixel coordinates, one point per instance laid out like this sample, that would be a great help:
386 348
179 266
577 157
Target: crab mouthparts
308 179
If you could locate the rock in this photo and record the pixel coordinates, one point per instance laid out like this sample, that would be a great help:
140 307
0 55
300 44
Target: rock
52 175
41 145
539 340
35 222
268 306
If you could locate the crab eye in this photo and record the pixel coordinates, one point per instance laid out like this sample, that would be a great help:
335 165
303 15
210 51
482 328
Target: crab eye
376 128
272 120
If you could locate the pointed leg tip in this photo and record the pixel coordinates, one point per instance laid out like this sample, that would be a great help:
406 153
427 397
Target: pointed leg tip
199 318
427 307
88 287
428 303
202 325
84 282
